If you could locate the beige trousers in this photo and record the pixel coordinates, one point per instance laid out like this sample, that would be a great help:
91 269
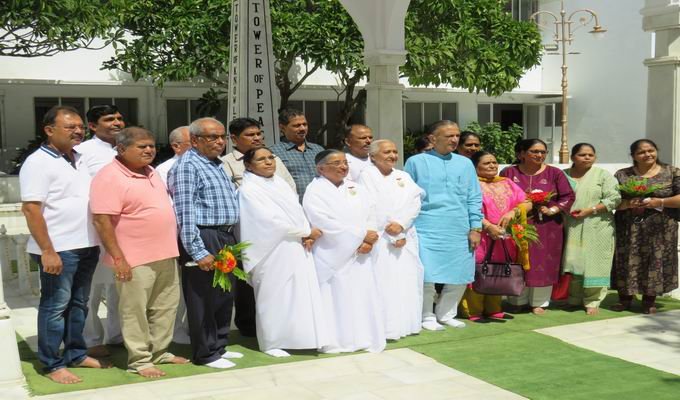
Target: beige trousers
147 308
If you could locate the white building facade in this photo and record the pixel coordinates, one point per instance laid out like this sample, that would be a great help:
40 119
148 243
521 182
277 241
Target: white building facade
607 85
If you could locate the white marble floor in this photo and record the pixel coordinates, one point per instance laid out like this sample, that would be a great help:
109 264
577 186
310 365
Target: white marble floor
651 340
394 375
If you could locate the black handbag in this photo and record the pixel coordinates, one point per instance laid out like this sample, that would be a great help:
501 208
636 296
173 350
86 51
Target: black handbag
499 279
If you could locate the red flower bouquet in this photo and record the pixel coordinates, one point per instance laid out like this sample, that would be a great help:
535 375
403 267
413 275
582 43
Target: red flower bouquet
538 196
633 188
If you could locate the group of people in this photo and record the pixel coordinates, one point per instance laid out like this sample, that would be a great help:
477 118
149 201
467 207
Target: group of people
345 251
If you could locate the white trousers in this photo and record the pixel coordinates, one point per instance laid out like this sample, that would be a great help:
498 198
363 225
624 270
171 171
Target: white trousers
534 296
447 303
95 332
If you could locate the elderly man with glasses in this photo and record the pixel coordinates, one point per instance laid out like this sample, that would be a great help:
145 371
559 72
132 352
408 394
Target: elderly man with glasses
207 209
180 143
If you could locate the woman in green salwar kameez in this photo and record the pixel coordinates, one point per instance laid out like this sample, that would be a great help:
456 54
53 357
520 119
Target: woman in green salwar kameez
589 241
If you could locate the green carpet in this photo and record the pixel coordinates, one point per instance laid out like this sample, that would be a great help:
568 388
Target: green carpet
506 354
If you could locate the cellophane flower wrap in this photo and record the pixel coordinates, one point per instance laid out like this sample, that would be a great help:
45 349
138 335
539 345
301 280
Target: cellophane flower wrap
522 233
226 262
633 188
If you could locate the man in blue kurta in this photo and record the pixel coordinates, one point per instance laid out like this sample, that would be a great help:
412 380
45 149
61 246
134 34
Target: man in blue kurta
449 224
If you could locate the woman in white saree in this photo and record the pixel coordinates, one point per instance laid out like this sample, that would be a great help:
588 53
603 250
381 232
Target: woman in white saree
397 266
345 213
281 269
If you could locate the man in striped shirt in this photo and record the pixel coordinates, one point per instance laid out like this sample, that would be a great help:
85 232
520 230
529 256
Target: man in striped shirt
207 208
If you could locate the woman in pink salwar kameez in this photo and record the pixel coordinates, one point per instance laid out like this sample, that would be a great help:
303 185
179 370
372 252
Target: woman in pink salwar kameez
500 201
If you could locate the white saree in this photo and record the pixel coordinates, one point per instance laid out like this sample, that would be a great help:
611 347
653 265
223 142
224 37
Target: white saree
344 214
289 313
398 271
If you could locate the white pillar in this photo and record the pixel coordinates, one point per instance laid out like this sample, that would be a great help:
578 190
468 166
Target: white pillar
381 23
23 264
384 105
5 253
10 373
663 97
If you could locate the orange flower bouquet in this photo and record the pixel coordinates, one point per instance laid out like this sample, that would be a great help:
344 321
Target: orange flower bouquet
522 233
226 262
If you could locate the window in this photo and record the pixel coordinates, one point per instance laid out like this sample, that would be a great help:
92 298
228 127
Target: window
180 112
127 107
553 115
503 114
521 10
417 116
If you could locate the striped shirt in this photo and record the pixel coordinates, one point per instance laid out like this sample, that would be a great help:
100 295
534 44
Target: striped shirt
203 195
300 164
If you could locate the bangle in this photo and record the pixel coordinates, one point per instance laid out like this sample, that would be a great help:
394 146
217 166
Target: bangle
476 230
661 203
594 210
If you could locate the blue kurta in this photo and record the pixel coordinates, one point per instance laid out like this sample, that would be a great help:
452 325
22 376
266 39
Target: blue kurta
452 206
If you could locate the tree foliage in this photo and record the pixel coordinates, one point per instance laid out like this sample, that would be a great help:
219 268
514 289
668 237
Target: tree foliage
498 142
472 44
34 28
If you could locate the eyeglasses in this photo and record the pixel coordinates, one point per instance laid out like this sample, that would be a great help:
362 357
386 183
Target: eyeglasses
338 163
71 128
541 152
213 138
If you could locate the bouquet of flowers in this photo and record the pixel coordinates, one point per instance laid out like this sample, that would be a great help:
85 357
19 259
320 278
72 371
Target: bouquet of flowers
226 263
522 233
638 188
539 197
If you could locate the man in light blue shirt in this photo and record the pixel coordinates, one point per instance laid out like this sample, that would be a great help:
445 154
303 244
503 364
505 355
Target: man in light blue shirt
449 224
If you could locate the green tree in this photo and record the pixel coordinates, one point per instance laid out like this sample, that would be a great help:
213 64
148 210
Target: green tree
498 142
34 28
472 44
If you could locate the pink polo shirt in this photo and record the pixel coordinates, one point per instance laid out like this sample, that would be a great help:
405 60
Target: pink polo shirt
142 215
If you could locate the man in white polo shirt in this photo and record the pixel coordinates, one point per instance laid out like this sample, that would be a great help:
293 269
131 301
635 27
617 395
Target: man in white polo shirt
105 122
55 186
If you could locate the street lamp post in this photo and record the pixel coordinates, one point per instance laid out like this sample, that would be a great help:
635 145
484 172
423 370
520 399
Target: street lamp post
563 36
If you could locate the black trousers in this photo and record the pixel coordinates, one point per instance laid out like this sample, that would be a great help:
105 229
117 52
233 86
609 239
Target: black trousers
244 304
208 308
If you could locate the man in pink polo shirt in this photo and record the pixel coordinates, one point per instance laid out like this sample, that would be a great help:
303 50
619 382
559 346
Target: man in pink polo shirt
136 223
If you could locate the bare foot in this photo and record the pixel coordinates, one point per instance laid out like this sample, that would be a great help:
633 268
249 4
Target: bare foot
90 362
538 310
592 310
151 372
178 360
98 351
64 376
